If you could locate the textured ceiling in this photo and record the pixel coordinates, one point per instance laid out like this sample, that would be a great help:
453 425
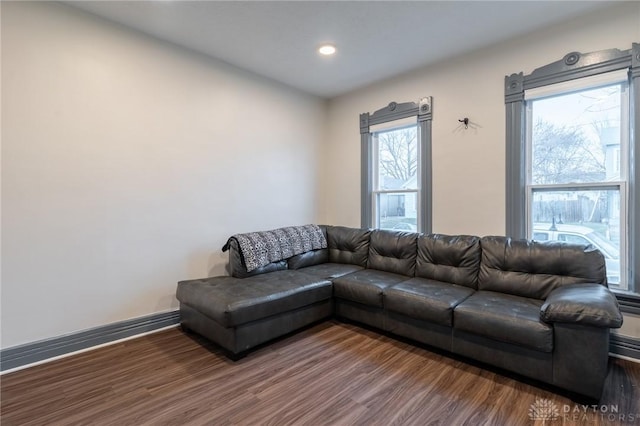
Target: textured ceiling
375 40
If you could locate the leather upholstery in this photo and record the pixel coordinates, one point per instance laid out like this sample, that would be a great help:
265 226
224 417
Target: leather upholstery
232 302
331 271
505 318
393 251
580 358
310 258
365 286
348 245
522 360
363 314
426 299
534 269
419 330
452 259
585 304
237 340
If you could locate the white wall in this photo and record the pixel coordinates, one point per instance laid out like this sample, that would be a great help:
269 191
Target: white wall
127 162
468 165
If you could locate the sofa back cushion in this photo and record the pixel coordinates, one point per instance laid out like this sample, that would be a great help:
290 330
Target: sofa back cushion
393 251
534 269
238 269
452 259
348 245
310 258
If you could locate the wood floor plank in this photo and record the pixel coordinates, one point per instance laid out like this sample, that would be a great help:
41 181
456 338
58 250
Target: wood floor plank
330 374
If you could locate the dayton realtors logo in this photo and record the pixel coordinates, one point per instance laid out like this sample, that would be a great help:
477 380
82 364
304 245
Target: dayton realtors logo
544 409
547 411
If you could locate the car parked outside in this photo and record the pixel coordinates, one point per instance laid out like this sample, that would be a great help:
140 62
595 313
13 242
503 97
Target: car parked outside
403 226
582 235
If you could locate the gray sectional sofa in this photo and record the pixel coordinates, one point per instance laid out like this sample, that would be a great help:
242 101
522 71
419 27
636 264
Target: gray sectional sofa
542 310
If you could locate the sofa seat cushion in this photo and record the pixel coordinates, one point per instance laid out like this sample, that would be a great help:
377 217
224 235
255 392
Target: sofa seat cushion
425 299
366 286
506 318
232 301
331 271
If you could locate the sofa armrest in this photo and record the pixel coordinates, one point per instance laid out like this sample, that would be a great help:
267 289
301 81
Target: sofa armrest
585 304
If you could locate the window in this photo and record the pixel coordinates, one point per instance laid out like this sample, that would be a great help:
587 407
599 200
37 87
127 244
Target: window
570 164
574 188
396 171
396 167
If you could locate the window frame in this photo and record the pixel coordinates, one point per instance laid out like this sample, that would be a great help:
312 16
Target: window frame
573 66
422 111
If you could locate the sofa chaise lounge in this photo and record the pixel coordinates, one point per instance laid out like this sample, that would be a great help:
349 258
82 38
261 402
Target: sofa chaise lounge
542 310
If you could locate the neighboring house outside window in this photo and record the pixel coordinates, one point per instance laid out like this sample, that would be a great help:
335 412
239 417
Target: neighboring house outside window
396 167
571 172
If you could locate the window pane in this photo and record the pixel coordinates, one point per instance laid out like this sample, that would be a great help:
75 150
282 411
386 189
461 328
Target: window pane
398 159
589 216
398 211
575 137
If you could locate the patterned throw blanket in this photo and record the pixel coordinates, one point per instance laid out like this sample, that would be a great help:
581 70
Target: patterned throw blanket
261 248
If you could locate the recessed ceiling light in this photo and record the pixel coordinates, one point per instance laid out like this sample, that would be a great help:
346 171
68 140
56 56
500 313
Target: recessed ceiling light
327 49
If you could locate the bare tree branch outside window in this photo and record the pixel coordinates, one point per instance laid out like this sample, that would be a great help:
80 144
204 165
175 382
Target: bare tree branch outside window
398 156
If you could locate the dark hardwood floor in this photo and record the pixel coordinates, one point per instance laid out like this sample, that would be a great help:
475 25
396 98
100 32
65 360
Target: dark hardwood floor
329 374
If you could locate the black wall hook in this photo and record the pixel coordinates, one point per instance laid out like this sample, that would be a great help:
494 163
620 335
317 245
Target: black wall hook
465 121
